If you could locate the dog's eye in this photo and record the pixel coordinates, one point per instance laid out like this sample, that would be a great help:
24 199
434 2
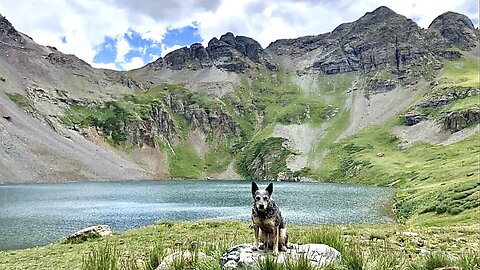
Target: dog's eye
265 198
257 198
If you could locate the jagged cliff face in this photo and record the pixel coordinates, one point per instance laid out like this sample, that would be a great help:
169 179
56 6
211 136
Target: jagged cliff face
232 109
380 39
229 53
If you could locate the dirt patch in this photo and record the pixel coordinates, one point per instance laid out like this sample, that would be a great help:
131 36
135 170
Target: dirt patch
302 138
152 160
430 132
197 140
377 109
228 174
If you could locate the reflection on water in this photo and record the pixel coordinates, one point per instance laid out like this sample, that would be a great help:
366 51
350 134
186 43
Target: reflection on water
36 214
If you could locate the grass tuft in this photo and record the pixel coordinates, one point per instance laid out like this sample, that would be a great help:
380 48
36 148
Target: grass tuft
327 236
103 257
155 256
81 239
432 262
20 100
469 261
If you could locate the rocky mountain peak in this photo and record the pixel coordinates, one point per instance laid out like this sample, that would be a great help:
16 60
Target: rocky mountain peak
381 16
8 32
455 27
381 13
228 38
229 53
451 16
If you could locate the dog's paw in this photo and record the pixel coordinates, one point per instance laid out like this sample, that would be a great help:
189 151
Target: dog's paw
275 253
255 248
284 248
261 246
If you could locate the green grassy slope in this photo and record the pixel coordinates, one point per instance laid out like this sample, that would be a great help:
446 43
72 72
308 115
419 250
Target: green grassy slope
372 247
437 184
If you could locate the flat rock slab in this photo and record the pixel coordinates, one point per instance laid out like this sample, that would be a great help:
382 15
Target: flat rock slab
100 230
242 255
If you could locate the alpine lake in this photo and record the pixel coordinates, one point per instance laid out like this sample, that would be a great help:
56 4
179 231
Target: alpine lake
38 214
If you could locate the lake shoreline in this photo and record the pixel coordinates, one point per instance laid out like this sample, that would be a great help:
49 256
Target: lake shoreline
145 179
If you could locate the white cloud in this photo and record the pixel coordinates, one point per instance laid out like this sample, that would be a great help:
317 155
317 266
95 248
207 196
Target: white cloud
85 24
111 66
123 48
166 50
133 63
153 57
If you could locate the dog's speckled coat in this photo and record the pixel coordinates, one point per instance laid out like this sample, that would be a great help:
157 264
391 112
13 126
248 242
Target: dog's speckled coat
268 224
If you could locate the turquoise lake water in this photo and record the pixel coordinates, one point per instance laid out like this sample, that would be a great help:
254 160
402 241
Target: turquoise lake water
37 214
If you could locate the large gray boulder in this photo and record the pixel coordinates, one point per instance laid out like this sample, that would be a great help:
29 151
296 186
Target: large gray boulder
242 255
99 230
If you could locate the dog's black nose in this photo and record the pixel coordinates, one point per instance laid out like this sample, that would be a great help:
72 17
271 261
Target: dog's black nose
261 206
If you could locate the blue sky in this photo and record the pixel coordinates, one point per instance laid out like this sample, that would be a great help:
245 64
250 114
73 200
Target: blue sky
126 34
146 49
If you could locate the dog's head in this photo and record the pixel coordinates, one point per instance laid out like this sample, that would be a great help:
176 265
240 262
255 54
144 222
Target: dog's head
261 198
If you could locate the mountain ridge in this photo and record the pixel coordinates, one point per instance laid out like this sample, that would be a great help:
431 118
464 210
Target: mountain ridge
350 47
373 101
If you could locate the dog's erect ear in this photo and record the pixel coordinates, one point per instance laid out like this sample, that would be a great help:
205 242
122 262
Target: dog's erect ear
269 188
254 188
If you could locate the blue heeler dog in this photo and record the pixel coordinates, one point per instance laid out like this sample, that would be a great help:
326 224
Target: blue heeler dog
267 221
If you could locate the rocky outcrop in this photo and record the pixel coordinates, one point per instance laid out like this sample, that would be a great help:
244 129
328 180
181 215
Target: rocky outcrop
242 256
446 96
229 53
65 60
159 124
458 120
192 58
8 33
156 121
457 28
206 119
298 46
414 117
376 86
437 100
267 160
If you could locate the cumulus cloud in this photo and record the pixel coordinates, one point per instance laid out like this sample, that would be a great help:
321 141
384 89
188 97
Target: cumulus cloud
82 27
111 66
123 48
166 49
134 62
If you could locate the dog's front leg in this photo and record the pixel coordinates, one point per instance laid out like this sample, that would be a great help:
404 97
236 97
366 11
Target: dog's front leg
256 230
276 231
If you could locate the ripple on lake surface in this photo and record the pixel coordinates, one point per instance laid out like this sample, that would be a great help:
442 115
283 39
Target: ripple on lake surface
36 214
